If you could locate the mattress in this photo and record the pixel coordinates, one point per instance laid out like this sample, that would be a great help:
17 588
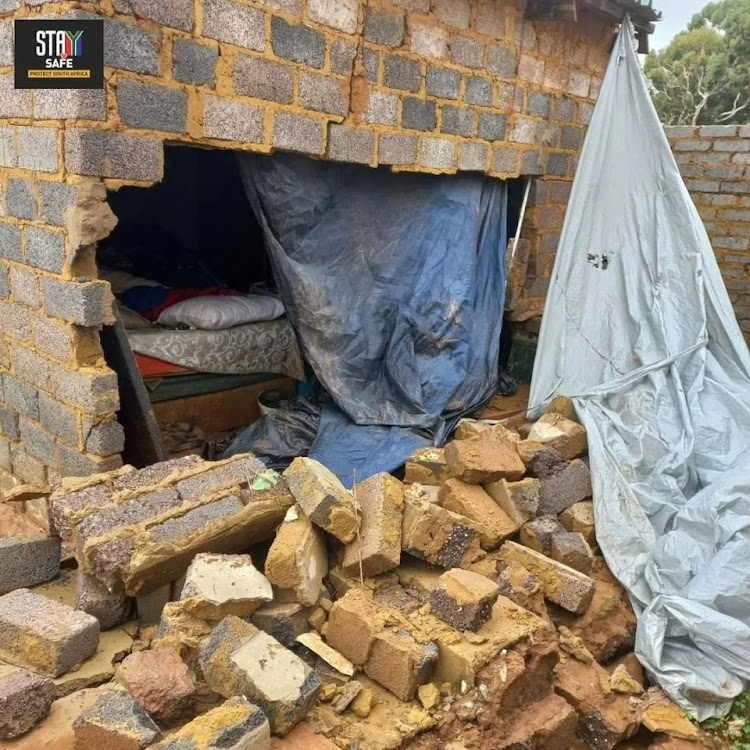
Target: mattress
266 347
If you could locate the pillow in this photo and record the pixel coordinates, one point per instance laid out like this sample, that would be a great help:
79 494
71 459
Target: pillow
215 312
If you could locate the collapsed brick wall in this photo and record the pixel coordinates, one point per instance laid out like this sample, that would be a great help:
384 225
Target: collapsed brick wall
715 162
436 86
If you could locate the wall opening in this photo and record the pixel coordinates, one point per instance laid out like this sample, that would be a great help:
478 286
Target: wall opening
181 250
193 238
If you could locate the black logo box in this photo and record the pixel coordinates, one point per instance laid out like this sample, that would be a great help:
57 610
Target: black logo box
28 61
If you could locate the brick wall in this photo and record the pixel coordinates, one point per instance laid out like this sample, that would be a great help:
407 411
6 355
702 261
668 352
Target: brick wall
428 85
715 162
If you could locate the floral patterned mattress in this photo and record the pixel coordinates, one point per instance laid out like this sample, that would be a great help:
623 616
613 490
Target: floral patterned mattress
266 347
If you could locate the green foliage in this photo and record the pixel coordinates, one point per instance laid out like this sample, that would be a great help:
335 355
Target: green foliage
703 76
735 726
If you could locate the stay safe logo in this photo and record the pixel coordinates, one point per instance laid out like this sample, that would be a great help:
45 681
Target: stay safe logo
59 54
59 47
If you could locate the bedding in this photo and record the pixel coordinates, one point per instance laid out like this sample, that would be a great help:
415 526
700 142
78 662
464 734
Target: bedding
152 301
265 347
152 367
213 313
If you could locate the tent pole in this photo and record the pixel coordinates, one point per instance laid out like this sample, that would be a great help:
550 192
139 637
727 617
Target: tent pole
520 223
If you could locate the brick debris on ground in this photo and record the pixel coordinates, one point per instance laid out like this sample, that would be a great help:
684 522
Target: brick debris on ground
205 605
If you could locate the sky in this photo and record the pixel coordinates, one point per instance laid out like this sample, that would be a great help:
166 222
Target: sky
675 17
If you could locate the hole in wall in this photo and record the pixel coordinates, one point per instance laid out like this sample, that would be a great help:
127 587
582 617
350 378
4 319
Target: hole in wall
195 230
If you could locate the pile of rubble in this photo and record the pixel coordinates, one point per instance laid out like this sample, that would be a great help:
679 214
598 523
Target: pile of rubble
197 605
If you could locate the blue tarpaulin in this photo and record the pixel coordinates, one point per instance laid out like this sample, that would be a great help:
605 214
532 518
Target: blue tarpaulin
395 285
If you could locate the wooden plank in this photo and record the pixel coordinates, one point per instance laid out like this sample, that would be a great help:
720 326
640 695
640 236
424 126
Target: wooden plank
617 11
143 441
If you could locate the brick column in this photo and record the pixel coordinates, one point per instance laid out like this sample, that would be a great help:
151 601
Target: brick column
715 162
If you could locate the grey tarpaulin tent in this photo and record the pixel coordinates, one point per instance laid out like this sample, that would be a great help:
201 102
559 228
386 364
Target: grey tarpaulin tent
639 329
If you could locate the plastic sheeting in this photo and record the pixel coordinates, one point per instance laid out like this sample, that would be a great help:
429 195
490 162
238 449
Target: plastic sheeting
395 286
639 329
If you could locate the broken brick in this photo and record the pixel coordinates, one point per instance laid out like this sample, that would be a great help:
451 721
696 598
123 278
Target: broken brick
27 555
468 428
221 585
400 664
238 471
487 457
571 590
55 732
661 715
315 644
429 696
471 501
488 566
377 548
568 438
463 599
317 619
325 501
632 666
621 681
117 721
237 724
239 659
580 517
343 699
67 506
160 681
25 699
439 536
354 621
571 549
564 488
418 578
538 534
564 407
229 524
425 492
523 588
114 518
573 645
44 635
607 628
158 473
298 558
427 466
111 608
540 460
519 500
283 621
182 631
362 704
461 659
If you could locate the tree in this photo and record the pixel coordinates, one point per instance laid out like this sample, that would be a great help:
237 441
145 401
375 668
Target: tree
703 76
